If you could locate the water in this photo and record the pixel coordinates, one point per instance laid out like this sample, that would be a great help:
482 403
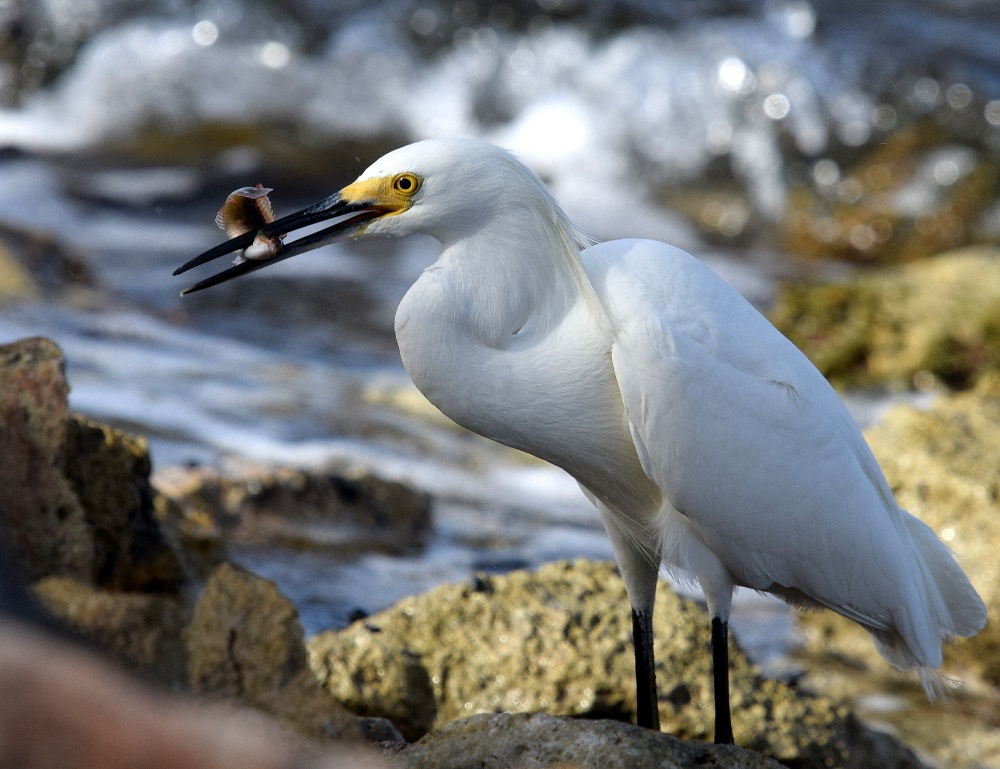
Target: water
124 133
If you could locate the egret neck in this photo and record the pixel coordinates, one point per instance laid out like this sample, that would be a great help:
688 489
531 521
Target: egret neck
498 318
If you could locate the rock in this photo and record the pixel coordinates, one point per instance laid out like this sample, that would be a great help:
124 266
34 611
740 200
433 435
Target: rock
918 325
76 506
109 471
75 496
245 643
336 509
64 708
195 534
500 741
559 640
140 629
381 731
42 515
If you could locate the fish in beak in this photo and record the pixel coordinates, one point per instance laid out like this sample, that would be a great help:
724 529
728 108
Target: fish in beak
261 242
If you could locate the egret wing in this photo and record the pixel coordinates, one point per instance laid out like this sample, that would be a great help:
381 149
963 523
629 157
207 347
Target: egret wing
745 438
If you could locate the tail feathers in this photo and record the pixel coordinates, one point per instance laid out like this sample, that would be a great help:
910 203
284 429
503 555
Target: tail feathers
897 652
958 608
951 607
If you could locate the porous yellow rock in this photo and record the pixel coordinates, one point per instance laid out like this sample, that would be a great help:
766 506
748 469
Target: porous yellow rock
559 640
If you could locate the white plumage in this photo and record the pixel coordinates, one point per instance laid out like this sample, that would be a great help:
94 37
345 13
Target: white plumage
704 437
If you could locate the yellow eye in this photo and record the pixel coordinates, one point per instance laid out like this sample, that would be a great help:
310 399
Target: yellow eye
406 184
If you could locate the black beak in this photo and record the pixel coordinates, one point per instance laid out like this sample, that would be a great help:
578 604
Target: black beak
329 208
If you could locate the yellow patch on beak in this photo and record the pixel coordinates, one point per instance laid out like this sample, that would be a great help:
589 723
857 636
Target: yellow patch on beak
378 193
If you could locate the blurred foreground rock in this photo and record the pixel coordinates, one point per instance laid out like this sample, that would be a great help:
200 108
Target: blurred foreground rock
47 525
559 640
504 740
64 708
76 506
936 321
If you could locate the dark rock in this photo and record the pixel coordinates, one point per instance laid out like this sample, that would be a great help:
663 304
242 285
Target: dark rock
334 509
76 509
109 471
381 731
142 630
46 525
75 496
194 534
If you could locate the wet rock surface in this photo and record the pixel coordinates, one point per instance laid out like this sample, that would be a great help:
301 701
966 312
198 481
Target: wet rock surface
559 640
337 509
499 741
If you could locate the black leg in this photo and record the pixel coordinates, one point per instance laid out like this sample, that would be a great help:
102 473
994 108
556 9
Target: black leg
647 711
720 674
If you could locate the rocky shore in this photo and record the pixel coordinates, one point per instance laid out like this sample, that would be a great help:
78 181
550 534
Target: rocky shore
529 668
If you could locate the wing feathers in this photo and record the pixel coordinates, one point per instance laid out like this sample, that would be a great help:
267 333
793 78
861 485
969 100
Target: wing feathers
755 450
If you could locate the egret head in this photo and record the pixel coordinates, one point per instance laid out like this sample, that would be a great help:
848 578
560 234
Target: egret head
440 187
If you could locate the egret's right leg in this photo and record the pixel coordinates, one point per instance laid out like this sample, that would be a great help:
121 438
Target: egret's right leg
718 590
720 678
647 711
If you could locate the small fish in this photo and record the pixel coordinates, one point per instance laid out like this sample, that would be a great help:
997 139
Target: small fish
245 210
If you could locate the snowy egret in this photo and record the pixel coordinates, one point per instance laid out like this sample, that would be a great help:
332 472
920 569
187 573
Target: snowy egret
705 439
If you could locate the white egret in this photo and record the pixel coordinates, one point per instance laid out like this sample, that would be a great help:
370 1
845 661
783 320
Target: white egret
705 439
